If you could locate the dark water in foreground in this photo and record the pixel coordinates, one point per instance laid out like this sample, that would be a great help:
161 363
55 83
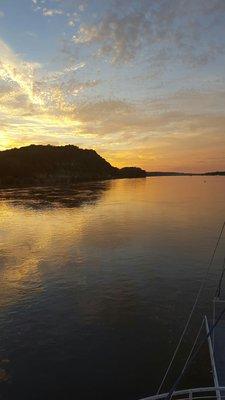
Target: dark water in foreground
97 282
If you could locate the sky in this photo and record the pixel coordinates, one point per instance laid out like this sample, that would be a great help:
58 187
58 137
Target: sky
140 81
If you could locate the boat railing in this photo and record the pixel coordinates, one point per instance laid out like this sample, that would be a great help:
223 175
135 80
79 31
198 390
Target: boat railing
192 394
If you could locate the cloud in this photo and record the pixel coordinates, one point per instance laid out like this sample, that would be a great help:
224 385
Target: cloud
51 12
2 14
154 27
20 72
27 105
131 123
74 88
71 23
74 67
36 106
125 133
41 5
156 136
68 70
118 37
43 90
42 107
51 106
73 18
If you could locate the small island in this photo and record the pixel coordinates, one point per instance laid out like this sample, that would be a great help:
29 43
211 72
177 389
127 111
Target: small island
51 165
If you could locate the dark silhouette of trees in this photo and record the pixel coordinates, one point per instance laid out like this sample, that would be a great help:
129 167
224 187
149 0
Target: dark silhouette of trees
37 165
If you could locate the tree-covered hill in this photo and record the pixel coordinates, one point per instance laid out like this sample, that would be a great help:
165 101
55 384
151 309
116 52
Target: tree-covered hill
37 164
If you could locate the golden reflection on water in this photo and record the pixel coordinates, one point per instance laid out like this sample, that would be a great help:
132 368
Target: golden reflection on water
30 238
127 213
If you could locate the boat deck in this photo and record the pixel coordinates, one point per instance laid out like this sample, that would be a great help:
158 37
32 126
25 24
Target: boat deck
218 344
217 354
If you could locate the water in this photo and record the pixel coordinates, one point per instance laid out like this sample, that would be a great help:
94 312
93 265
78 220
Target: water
97 282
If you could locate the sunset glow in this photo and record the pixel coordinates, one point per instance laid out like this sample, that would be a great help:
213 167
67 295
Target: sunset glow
141 82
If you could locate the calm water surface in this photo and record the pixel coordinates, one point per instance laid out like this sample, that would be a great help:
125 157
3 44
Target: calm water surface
97 282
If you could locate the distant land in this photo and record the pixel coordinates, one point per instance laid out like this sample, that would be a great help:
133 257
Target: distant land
161 173
51 165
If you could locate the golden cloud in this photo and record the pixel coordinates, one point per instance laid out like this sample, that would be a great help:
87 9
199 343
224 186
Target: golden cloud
40 107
